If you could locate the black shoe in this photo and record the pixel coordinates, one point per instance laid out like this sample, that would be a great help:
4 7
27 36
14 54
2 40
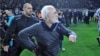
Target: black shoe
98 39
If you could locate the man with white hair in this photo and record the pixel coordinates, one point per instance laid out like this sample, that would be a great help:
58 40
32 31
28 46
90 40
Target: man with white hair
47 33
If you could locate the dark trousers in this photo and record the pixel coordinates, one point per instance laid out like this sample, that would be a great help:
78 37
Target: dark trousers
67 22
75 20
13 51
2 53
60 44
86 19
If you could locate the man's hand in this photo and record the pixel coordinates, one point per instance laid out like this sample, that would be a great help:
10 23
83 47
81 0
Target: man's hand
5 48
72 38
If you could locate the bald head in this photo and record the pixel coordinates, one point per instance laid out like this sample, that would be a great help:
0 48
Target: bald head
26 5
27 9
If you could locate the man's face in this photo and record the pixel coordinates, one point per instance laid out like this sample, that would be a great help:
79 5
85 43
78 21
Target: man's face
16 10
28 10
52 15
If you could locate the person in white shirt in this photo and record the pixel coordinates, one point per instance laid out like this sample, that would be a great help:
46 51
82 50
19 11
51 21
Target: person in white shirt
97 16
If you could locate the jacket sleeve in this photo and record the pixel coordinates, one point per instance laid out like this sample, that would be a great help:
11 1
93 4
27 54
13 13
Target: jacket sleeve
66 31
10 31
24 37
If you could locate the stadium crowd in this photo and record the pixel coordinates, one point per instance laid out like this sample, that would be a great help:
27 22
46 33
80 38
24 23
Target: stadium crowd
68 13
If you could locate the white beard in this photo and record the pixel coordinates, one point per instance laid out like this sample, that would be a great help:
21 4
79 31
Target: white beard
54 21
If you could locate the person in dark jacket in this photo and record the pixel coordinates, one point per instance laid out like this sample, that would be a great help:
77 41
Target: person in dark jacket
61 18
18 23
47 33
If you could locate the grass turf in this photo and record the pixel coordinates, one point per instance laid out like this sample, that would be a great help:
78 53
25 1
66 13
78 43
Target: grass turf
86 44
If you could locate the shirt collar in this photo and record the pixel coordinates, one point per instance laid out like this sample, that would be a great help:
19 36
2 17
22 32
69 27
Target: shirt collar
47 27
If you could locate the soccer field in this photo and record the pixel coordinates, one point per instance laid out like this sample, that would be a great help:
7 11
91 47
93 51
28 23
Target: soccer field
86 44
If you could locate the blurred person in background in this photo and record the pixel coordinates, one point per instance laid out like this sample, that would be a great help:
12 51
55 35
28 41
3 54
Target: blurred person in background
10 15
17 11
61 18
97 16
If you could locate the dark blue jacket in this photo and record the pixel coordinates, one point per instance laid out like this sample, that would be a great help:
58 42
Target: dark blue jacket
47 38
18 23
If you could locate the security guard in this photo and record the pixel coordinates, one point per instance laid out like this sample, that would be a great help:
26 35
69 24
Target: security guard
18 23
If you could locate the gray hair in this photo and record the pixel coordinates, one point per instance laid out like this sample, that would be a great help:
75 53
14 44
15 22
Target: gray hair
45 10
